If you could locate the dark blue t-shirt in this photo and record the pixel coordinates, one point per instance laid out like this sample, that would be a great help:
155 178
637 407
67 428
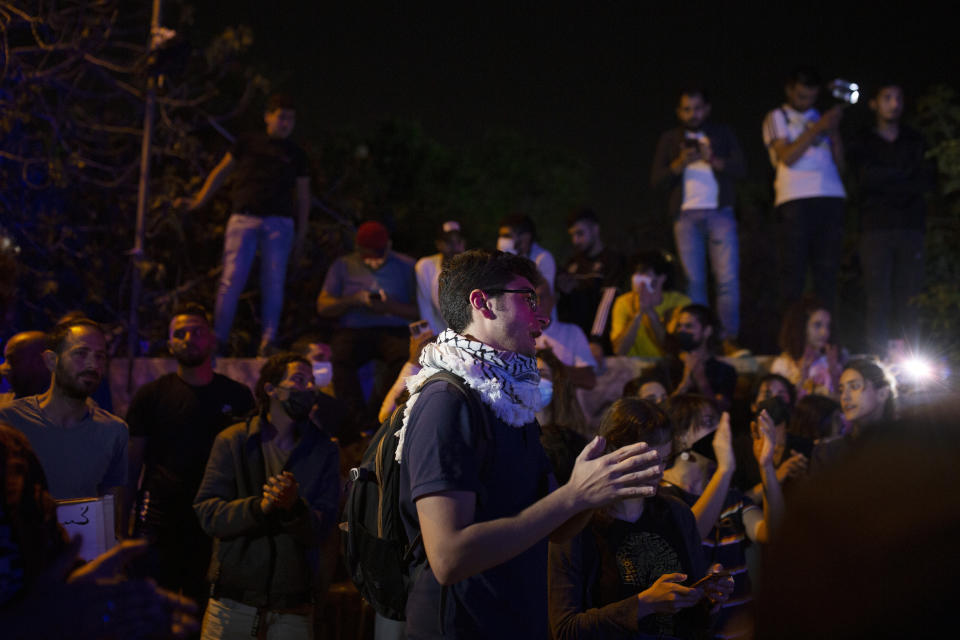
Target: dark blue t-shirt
440 454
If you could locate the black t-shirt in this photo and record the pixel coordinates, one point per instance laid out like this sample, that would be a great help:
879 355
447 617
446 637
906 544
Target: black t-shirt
892 178
440 455
180 423
635 554
606 269
266 174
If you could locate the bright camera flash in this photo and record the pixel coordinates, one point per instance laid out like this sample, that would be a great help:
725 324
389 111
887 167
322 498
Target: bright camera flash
918 368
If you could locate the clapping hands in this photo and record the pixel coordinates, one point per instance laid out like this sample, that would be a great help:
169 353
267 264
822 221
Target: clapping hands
280 491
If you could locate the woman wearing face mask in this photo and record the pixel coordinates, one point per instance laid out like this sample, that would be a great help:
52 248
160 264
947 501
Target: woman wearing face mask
700 474
632 571
269 494
868 395
810 361
638 325
564 430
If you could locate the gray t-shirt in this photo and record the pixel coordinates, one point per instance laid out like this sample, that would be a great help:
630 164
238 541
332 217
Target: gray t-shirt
81 461
348 274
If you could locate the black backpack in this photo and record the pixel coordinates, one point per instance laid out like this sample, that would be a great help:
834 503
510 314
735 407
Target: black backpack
378 555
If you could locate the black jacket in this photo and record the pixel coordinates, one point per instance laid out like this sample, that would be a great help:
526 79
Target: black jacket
266 560
724 144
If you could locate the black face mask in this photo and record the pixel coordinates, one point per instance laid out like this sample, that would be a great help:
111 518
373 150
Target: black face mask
298 404
704 446
777 409
685 341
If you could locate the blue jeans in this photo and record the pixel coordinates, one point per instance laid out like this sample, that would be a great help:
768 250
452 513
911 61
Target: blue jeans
227 619
274 235
698 232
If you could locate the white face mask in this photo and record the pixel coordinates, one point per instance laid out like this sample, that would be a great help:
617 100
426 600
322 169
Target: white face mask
546 392
506 245
322 374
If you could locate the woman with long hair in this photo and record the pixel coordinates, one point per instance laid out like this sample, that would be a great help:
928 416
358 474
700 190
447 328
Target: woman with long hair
810 359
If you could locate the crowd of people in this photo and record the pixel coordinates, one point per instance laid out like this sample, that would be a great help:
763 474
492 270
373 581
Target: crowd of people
654 521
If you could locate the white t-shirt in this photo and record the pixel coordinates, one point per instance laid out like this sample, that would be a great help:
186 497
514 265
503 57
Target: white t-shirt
700 190
547 267
428 300
568 343
544 261
814 174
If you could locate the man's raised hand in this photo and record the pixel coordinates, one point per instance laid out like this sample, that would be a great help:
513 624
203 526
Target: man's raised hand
598 479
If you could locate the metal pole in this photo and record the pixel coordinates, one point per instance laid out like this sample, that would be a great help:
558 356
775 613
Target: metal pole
143 197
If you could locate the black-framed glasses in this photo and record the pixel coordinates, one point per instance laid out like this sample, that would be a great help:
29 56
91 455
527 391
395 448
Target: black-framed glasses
533 300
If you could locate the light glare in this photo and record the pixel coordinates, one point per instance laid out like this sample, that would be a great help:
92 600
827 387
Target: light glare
918 368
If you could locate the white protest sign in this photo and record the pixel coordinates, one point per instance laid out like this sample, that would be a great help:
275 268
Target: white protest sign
93 519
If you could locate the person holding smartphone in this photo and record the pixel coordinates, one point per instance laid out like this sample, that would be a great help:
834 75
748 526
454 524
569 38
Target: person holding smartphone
640 316
697 164
371 293
638 568
810 360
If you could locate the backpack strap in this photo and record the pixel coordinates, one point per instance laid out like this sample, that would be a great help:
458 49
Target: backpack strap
483 437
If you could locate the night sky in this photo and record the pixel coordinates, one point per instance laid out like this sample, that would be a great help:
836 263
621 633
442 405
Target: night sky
599 81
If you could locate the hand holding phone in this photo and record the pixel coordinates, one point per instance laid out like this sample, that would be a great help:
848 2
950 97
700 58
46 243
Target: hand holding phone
724 573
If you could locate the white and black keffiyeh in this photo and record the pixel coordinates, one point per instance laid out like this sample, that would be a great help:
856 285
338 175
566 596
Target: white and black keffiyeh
506 381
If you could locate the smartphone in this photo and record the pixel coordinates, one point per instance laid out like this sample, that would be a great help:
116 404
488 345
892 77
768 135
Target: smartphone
375 295
641 280
711 576
418 327
691 143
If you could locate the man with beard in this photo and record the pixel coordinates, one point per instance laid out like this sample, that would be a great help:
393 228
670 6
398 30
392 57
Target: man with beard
83 449
697 163
173 422
269 495
449 242
23 366
695 369
592 267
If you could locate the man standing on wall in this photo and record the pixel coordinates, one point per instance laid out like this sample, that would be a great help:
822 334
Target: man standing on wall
271 186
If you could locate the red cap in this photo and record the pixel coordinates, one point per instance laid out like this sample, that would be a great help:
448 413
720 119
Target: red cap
373 237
